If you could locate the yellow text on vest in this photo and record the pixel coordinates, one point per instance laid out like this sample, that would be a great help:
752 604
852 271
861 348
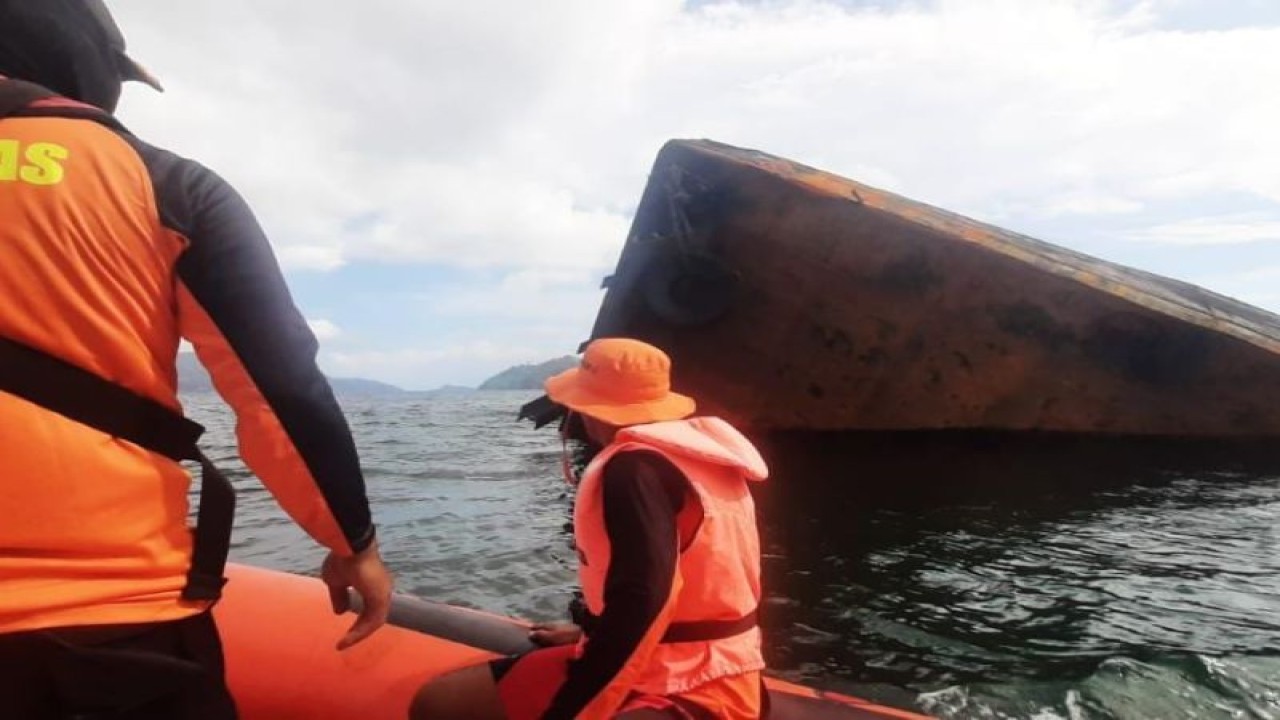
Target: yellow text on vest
37 163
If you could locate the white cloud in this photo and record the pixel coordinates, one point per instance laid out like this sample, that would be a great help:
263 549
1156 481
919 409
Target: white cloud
475 330
564 296
519 135
1085 203
309 257
498 133
1227 230
1268 274
324 329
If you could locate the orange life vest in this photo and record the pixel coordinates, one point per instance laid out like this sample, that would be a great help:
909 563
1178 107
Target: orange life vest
718 573
107 258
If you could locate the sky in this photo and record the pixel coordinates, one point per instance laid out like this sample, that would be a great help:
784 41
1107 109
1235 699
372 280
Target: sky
446 183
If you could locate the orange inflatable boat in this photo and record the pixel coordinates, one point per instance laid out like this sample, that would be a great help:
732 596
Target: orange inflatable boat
279 635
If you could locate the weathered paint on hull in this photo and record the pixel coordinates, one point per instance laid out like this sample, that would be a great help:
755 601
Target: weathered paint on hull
816 302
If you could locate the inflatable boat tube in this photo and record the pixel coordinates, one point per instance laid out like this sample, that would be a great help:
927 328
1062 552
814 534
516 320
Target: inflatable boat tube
279 635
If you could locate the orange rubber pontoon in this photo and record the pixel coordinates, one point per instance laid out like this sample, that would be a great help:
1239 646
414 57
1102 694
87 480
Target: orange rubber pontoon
279 635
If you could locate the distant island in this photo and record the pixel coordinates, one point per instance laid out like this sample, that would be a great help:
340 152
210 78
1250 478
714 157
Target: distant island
193 378
529 377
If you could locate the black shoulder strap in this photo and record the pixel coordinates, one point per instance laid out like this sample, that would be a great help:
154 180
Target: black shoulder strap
61 387
705 630
75 393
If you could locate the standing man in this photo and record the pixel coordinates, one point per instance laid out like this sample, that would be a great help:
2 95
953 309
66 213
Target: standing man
669 563
111 250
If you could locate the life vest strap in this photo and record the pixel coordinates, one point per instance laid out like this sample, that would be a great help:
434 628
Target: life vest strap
706 630
677 632
79 395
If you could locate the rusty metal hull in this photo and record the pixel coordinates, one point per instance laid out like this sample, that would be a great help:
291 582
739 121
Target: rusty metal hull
790 298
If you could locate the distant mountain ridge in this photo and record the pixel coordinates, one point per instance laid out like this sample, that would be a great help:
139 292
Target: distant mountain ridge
529 376
193 378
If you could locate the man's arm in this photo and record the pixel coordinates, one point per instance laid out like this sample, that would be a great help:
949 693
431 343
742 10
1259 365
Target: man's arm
235 309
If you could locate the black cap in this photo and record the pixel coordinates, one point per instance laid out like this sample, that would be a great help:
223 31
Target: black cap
129 68
72 47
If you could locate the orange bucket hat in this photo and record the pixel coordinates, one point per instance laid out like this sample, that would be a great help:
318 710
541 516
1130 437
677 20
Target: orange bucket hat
621 382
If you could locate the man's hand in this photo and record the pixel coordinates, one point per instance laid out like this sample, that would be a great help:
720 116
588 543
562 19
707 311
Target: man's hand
365 572
551 634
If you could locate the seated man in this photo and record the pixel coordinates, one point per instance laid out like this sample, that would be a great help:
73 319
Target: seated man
669 565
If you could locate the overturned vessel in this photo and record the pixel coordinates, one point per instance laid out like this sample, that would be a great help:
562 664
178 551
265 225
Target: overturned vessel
793 299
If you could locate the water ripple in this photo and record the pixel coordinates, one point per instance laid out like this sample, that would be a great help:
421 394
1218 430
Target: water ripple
1153 596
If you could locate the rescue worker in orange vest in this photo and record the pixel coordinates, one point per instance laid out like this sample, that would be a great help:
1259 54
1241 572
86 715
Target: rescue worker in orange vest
110 251
669 565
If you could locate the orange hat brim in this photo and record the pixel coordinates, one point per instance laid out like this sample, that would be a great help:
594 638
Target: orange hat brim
567 389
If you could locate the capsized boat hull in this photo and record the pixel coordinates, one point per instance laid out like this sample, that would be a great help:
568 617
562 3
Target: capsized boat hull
793 299
279 634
